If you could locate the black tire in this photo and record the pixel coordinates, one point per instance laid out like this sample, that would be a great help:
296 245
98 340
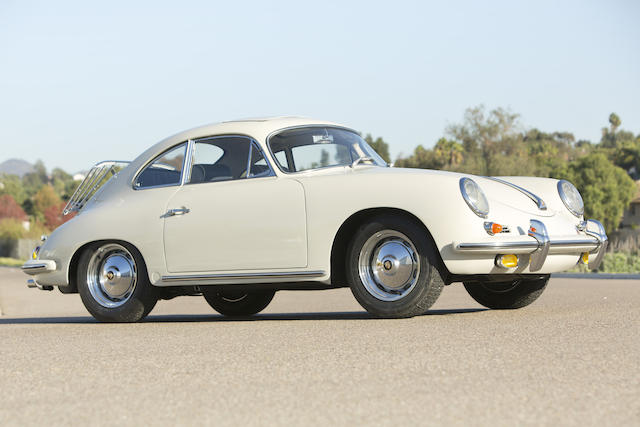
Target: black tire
139 301
239 303
405 298
507 295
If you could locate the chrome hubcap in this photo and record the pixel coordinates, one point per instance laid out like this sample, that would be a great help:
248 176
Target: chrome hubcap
111 275
389 265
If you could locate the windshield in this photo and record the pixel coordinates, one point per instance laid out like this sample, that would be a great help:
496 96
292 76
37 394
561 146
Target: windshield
302 149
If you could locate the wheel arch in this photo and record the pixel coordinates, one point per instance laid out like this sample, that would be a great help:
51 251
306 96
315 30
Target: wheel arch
347 230
72 271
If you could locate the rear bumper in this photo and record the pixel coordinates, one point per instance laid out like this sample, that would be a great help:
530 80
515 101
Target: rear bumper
38 266
538 244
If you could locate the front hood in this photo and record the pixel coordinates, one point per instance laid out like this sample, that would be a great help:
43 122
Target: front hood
498 193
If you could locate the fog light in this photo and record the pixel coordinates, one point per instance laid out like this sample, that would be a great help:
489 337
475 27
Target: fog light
34 254
507 261
584 258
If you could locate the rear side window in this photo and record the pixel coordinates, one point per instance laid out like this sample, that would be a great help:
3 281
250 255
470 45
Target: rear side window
164 170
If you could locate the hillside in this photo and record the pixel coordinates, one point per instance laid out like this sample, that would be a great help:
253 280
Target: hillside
16 167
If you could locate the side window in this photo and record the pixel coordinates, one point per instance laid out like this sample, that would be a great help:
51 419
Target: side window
165 170
219 159
258 164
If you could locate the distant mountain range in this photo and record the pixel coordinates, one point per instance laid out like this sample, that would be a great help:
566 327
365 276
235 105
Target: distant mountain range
16 167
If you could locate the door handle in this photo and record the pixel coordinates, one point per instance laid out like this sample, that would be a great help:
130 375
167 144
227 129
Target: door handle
178 211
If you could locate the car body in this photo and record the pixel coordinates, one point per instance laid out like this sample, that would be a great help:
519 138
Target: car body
196 221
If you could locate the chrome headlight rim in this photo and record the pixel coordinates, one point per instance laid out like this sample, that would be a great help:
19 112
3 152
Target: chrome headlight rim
478 210
577 211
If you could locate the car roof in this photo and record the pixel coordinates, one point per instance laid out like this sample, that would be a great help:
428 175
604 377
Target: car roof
257 128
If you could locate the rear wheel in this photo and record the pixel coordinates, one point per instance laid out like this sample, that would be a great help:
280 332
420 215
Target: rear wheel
391 266
507 295
113 283
237 303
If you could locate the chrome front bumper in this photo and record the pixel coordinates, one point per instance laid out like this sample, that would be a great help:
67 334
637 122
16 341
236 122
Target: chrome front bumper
539 244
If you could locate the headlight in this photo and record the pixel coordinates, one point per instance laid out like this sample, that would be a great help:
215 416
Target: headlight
571 197
474 197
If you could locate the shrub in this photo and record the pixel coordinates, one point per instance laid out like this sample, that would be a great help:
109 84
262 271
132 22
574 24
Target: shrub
11 228
621 262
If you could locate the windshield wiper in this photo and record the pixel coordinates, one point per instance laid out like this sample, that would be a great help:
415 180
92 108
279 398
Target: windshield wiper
361 159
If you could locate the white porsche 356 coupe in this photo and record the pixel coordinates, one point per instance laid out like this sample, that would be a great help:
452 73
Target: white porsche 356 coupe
239 210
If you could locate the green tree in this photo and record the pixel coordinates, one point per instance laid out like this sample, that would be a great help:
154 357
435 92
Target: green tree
421 158
381 147
622 147
492 142
448 155
550 152
63 183
605 188
32 182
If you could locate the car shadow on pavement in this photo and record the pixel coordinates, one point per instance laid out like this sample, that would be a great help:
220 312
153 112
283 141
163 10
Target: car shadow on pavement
191 318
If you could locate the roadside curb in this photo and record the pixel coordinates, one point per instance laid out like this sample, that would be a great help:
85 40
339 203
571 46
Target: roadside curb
597 276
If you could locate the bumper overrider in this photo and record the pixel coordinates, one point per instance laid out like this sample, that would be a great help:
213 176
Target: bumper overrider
592 239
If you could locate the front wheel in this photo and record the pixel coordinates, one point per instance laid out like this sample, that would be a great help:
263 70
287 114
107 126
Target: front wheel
507 295
113 283
391 267
237 303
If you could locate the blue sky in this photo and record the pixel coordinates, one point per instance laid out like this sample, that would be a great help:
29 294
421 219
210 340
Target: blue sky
85 81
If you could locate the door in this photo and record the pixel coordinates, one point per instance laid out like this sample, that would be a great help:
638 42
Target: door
233 213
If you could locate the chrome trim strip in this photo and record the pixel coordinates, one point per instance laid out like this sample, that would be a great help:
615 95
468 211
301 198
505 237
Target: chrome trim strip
188 162
248 170
232 276
498 247
537 200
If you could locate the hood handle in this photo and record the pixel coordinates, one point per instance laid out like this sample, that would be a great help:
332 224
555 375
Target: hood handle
537 200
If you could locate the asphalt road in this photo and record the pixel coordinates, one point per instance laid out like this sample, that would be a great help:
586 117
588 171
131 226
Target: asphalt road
571 358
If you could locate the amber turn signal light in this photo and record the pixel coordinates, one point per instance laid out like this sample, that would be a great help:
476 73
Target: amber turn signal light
494 228
507 261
